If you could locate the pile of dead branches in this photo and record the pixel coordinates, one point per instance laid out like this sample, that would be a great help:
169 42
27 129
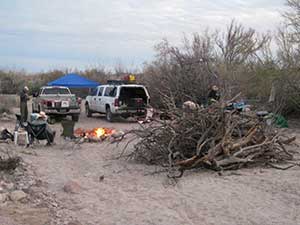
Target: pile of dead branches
212 137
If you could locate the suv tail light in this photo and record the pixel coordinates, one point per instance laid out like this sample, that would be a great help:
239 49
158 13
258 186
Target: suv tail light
116 103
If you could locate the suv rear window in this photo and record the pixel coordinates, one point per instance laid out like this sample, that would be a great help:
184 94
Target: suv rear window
133 96
56 91
133 92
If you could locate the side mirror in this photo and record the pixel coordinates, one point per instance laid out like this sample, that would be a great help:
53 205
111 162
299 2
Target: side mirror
35 94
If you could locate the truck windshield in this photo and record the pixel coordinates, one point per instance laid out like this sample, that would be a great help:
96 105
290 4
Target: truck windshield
56 91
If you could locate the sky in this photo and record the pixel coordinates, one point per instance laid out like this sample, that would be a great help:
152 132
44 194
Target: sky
41 35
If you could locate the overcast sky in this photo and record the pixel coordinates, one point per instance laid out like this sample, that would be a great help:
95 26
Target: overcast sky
38 35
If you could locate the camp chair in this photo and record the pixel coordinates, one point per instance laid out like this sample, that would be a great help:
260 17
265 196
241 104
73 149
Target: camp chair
39 132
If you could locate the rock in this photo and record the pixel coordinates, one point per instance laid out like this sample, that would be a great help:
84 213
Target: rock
101 178
17 195
3 197
189 105
5 117
9 186
87 175
72 187
118 134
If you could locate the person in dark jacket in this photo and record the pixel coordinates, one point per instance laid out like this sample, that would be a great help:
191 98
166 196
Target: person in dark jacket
24 97
213 95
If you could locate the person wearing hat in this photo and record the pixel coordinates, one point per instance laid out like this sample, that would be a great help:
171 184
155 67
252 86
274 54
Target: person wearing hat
38 116
43 116
38 119
24 97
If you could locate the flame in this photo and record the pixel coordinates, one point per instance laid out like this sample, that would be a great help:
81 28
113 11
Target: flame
100 132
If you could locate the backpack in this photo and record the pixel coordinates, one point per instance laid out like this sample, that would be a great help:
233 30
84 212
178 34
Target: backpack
5 134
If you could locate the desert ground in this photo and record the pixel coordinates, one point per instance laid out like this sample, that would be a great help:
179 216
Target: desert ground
110 190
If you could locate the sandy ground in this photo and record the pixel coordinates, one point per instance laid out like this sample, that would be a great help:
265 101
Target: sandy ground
133 194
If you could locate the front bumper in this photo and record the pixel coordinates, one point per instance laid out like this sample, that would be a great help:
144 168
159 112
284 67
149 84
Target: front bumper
62 111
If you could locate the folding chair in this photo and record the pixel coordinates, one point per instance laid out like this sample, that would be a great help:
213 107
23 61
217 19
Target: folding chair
39 132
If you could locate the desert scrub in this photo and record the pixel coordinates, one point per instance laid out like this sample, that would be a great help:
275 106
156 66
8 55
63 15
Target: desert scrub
7 103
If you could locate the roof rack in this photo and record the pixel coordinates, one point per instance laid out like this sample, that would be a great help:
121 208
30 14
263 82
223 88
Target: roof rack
119 82
115 82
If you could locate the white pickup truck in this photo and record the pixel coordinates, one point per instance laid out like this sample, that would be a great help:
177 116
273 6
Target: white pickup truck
56 101
118 100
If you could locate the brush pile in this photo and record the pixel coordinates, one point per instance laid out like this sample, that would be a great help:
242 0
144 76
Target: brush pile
211 137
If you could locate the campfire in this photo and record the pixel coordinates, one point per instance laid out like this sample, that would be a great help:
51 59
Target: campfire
94 135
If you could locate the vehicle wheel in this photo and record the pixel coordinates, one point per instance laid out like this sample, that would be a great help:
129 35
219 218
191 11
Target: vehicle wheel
75 118
109 115
88 111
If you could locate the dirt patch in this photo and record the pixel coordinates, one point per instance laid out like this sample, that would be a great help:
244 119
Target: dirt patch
132 193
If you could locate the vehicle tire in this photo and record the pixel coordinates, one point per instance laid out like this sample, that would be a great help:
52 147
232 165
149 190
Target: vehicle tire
109 115
88 111
75 117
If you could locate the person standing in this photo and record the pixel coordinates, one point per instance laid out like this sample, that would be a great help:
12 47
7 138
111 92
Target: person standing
24 97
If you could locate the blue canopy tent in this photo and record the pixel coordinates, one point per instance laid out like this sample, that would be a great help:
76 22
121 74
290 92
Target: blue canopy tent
73 80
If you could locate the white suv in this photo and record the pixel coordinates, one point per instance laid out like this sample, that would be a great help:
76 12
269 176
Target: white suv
118 99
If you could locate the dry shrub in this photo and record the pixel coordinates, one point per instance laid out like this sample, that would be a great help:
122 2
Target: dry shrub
186 72
287 94
8 102
181 73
